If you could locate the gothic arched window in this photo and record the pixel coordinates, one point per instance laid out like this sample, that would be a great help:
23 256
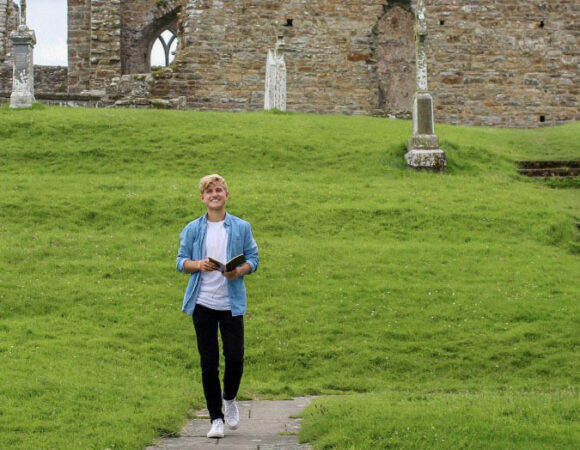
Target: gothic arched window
164 49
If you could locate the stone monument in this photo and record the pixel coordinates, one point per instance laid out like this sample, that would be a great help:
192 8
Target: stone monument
23 41
423 150
275 92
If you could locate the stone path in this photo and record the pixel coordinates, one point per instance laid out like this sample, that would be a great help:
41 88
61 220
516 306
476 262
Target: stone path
264 425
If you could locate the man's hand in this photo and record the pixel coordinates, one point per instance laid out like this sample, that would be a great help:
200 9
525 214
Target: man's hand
233 274
238 272
205 265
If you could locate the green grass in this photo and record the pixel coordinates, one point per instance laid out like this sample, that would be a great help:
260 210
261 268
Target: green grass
482 420
431 310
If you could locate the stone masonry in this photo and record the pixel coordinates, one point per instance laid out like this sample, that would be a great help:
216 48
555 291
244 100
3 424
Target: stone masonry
8 23
495 62
79 45
507 63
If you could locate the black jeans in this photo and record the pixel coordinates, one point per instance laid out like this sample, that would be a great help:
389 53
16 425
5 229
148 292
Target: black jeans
206 322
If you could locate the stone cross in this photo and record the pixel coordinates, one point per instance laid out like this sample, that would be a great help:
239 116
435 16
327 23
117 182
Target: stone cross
22 12
275 90
421 40
423 147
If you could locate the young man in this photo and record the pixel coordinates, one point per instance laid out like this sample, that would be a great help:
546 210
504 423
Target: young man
216 299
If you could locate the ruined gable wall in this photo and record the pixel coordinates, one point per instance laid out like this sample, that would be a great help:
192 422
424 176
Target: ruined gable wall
504 62
328 58
490 62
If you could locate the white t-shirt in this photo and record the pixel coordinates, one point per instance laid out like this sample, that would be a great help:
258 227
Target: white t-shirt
213 291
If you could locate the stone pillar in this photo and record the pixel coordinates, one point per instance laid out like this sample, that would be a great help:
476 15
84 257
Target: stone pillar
423 148
105 47
79 45
275 91
23 41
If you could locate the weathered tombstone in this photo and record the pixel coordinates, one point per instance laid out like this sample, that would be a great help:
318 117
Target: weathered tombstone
275 91
23 41
423 148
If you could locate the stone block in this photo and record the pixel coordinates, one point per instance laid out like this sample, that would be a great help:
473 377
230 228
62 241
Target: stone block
423 114
426 159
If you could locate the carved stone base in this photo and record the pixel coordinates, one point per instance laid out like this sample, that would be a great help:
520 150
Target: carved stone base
21 100
426 159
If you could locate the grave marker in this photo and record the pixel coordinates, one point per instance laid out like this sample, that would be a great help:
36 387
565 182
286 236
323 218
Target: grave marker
423 150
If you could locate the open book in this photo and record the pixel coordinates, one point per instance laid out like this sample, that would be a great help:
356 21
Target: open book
231 264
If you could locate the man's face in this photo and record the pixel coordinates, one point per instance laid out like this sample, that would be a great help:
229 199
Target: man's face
215 195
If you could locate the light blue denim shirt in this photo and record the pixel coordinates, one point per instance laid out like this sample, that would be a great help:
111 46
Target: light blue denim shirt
192 246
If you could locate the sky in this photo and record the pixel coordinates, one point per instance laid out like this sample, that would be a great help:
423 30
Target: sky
48 20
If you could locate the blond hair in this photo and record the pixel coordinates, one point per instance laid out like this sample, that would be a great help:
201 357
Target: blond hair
209 179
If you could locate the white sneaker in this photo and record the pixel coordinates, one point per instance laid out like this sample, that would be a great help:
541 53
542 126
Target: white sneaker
217 429
232 413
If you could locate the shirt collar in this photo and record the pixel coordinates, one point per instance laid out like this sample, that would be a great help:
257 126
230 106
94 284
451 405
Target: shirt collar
227 219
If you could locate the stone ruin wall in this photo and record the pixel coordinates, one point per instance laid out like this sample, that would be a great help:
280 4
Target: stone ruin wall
79 45
495 62
8 22
94 29
507 63
329 53
492 62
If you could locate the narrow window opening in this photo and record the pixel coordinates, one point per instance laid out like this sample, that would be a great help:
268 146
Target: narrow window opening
164 49
289 23
542 119
541 24
441 22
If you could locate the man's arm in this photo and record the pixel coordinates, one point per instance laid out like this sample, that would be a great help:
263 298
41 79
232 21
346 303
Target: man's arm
185 252
185 261
201 265
251 254
238 272
250 250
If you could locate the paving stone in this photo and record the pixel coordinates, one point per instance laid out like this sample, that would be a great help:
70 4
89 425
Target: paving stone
264 425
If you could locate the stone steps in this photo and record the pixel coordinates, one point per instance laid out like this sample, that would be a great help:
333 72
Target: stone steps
548 169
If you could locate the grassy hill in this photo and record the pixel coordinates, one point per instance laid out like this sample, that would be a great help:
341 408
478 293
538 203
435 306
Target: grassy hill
433 310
